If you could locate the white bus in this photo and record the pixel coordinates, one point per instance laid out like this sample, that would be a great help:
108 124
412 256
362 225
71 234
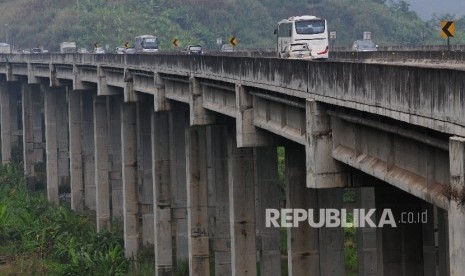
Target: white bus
146 44
303 29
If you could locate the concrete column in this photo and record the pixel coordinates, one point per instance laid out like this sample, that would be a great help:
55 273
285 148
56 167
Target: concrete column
218 198
75 151
366 236
429 245
114 156
401 247
331 238
322 170
178 119
456 214
302 241
5 121
161 193
268 197
102 185
51 144
242 208
443 241
62 138
14 88
144 169
33 145
129 160
88 153
197 191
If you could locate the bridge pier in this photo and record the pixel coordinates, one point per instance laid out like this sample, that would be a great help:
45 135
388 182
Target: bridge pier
178 120
115 156
162 192
242 208
56 140
88 149
456 214
129 173
75 151
144 169
197 200
33 144
267 197
218 198
102 185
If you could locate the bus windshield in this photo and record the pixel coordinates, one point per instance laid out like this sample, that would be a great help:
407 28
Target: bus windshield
310 26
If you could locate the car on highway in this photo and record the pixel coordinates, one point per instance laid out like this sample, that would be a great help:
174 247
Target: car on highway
130 51
364 46
36 51
194 49
299 51
82 51
227 48
120 50
99 50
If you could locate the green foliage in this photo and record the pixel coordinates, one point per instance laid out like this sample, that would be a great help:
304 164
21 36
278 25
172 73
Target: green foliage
350 247
251 21
61 241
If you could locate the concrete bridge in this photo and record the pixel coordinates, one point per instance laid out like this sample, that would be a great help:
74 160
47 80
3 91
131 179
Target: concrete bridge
183 150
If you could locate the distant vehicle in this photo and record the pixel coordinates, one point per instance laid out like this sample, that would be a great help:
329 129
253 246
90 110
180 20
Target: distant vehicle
303 29
36 51
227 48
99 50
130 51
364 46
26 51
194 50
68 47
120 50
82 51
146 44
5 48
299 51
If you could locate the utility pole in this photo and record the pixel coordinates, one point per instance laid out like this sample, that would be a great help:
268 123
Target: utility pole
6 33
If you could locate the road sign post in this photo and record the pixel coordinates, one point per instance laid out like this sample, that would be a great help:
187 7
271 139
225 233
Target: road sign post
447 31
332 38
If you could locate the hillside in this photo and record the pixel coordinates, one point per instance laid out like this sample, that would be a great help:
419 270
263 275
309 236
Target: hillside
32 23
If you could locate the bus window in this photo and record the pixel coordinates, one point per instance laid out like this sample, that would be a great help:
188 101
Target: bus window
310 27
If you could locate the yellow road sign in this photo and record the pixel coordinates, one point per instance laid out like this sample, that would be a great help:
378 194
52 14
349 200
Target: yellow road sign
233 41
175 42
127 45
447 29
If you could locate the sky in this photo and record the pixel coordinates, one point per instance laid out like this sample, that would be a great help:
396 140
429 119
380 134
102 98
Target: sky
426 8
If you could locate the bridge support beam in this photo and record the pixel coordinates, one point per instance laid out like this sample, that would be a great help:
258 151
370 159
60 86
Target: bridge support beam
144 169
218 198
302 241
456 214
129 159
401 247
88 146
161 193
160 102
178 120
102 185
56 141
197 201
322 170
242 208
75 151
115 156
33 144
367 250
268 197
5 121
